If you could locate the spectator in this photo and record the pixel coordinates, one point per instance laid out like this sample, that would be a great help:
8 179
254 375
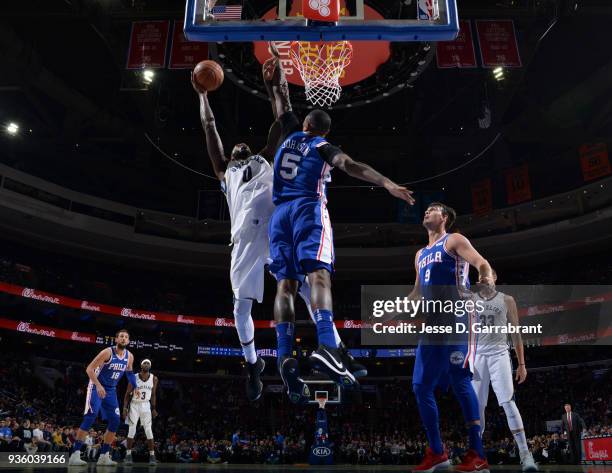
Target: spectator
38 438
26 438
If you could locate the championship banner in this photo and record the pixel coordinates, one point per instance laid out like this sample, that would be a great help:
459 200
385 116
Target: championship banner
497 42
459 53
185 54
148 42
518 188
594 161
597 450
482 197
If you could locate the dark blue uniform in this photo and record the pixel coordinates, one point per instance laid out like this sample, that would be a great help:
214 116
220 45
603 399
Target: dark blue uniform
444 359
109 375
443 277
301 239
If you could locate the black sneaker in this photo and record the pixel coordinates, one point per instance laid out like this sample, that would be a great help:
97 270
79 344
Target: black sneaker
358 370
328 360
297 390
254 386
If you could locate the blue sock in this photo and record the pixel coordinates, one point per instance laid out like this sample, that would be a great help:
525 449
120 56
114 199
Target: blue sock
77 446
476 439
325 327
428 410
284 339
105 448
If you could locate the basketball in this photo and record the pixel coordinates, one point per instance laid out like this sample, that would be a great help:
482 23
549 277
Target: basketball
208 75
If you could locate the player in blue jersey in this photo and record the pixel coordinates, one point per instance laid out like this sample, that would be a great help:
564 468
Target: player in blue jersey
104 373
442 275
301 242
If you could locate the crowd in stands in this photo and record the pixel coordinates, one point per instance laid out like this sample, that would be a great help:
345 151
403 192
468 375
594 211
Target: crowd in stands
209 420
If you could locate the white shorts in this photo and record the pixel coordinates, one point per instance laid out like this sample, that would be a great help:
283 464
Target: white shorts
249 258
497 370
140 411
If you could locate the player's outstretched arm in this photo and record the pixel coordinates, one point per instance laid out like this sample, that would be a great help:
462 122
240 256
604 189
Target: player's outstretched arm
461 246
101 358
367 173
214 145
274 77
517 340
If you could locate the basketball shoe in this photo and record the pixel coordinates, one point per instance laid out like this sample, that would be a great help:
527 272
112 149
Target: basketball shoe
358 370
472 463
254 386
297 390
328 360
432 462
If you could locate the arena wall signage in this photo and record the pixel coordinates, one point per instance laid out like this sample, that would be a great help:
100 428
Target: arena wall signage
498 45
148 44
459 53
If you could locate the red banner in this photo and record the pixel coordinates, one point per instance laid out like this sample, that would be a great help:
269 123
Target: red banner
51 298
482 197
185 54
497 41
594 161
518 188
35 329
597 449
148 42
459 53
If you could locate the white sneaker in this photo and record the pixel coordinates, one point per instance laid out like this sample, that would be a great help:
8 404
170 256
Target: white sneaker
527 462
75 459
105 460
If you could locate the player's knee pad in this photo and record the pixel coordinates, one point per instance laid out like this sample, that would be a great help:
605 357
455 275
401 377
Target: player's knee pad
113 423
131 431
148 432
88 421
515 421
242 308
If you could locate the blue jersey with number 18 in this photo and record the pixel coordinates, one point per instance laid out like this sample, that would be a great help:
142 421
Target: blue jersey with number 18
299 169
111 372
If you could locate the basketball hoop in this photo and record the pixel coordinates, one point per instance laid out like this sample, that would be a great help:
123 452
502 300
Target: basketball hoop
321 397
320 65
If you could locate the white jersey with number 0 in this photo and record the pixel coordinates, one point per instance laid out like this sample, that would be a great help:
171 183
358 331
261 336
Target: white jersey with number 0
145 389
248 190
495 313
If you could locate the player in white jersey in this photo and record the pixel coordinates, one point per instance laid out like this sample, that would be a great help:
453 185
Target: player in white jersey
140 405
246 180
492 364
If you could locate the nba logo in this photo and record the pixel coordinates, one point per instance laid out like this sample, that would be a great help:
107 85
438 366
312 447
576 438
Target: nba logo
428 10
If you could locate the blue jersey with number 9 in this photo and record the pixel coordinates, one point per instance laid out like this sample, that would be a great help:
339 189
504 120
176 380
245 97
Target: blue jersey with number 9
302 164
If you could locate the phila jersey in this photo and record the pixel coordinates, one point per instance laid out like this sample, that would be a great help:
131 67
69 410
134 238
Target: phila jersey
441 273
248 189
494 314
145 388
110 372
302 164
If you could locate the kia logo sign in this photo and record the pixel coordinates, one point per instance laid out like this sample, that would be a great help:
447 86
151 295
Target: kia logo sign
321 451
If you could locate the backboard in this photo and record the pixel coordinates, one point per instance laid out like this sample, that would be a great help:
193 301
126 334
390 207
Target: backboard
326 388
232 20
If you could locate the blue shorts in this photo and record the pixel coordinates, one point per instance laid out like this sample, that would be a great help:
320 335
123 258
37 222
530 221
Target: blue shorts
301 239
94 404
437 365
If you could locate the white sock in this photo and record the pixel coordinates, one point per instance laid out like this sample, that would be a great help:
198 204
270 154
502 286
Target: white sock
515 423
245 328
128 452
152 453
305 294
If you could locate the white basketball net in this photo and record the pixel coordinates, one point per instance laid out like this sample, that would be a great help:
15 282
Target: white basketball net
320 66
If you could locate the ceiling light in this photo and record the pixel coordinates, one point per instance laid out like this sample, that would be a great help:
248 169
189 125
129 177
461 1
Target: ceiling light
12 128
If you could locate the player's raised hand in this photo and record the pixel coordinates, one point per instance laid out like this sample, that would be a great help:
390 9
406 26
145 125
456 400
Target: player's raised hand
521 374
196 87
400 192
272 49
101 391
269 68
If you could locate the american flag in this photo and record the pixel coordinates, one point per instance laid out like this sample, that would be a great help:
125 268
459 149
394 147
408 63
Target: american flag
227 12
